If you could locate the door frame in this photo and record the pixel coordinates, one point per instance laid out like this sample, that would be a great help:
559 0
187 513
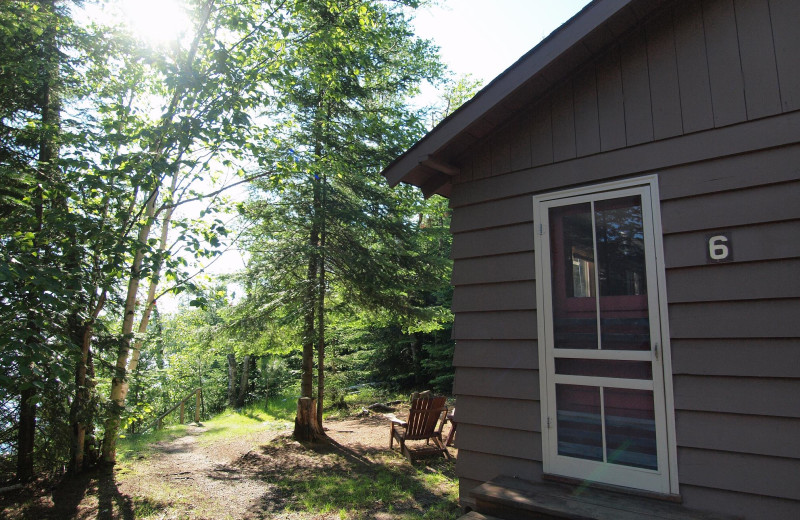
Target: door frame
669 485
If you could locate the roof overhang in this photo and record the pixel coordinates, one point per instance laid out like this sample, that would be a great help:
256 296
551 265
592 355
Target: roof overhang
431 163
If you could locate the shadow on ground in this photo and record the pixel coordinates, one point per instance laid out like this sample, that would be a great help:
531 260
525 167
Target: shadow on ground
330 478
67 500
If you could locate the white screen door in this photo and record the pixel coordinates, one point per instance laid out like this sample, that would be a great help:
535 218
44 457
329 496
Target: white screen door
604 408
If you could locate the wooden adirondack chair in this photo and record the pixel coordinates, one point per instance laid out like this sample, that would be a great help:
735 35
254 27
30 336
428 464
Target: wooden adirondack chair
425 422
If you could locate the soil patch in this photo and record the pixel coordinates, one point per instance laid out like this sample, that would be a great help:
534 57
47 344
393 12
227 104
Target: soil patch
264 475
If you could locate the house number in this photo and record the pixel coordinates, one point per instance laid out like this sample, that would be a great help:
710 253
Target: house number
720 248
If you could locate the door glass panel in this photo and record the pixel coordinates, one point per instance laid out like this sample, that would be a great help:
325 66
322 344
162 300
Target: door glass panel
579 427
630 427
624 323
605 368
573 277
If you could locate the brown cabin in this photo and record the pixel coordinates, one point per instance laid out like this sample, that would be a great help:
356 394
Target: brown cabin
626 246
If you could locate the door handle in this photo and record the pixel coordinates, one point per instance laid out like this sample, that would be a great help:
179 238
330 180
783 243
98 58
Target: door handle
655 350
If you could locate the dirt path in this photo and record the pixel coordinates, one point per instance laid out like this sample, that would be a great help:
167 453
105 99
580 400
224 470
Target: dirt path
263 475
188 473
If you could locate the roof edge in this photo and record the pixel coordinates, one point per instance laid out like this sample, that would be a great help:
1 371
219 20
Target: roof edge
557 43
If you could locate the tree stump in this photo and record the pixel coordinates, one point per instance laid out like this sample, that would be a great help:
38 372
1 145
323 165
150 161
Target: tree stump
306 427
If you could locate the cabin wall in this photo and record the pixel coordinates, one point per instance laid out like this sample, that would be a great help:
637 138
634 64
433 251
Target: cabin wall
707 96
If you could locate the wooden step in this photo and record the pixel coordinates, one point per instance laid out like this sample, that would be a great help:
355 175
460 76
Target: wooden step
510 498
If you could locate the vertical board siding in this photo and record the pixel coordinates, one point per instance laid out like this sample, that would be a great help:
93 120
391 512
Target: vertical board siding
542 136
482 166
501 151
724 64
520 146
664 88
703 64
693 79
784 15
587 124
467 166
563 124
636 91
610 102
760 72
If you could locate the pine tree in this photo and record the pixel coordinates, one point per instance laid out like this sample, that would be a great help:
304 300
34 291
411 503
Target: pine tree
333 223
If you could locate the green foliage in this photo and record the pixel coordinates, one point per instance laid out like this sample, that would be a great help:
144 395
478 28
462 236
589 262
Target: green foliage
348 247
106 142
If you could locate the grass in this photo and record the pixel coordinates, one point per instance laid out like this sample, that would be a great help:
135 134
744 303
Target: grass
135 446
250 420
317 482
254 418
357 493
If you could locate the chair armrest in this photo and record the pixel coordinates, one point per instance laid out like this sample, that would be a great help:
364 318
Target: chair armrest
395 420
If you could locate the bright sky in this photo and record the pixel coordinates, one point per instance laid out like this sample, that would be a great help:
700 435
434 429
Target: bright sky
485 37
478 37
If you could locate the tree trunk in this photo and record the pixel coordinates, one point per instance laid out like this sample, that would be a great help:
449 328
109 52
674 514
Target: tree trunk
232 380
307 376
321 311
243 382
80 404
306 427
416 349
46 172
119 386
25 438
91 456
81 412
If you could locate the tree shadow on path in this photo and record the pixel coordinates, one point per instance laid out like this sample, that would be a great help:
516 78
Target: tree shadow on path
74 498
329 477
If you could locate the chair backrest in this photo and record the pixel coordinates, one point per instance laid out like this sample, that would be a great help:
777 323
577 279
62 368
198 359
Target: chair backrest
424 415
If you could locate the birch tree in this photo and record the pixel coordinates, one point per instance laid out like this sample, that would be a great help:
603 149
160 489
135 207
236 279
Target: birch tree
213 88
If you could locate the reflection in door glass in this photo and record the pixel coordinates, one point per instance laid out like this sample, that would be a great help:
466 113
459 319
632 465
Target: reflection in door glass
580 432
573 277
624 323
630 427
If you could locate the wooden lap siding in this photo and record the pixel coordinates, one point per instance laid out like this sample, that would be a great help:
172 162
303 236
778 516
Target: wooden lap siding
689 97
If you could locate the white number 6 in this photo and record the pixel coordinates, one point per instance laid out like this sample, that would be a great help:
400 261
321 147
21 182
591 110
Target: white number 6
717 248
